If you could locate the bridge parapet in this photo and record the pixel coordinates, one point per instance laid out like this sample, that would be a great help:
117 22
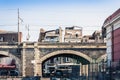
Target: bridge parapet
53 45
34 51
67 45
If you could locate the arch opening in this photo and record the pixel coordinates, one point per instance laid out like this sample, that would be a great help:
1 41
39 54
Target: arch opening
68 57
69 52
51 61
10 62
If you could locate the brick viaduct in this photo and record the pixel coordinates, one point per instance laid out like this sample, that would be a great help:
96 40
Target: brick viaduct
29 56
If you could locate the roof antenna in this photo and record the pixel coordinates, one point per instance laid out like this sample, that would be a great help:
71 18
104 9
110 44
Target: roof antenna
28 35
18 28
19 19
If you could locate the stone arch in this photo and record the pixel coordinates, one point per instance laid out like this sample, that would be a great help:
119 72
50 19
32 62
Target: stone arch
18 61
104 56
65 52
4 53
61 52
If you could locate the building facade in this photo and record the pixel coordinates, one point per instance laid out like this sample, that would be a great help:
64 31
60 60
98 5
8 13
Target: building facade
73 34
111 28
10 36
88 39
96 37
50 36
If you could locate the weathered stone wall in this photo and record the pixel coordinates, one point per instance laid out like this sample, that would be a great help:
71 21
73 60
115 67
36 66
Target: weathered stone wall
29 55
93 53
29 51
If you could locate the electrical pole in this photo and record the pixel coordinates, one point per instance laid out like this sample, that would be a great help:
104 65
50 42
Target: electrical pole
18 28
28 35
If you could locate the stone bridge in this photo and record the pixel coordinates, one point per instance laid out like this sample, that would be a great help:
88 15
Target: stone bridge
30 56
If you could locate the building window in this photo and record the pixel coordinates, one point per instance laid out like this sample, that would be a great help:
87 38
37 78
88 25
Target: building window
13 39
1 39
76 35
57 31
67 59
57 59
85 40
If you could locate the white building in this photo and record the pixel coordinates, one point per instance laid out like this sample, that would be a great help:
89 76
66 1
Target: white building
111 27
73 34
50 36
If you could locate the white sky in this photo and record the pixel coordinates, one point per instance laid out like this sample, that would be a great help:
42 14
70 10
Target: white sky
47 15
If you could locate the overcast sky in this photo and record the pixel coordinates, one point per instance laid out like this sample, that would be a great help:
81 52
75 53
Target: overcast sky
51 14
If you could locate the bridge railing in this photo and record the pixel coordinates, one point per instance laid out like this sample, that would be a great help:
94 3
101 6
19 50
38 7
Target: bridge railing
48 43
20 78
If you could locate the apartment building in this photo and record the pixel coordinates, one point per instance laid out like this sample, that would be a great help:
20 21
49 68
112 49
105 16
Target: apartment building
73 34
50 36
96 37
10 36
111 27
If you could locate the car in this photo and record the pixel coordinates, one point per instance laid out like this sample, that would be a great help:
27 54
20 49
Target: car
4 73
58 73
13 73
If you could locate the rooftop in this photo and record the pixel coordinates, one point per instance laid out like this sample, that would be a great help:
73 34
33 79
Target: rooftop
73 27
111 17
6 32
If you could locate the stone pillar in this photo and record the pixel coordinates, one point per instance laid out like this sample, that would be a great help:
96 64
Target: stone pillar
37 64
40 69
23 60
89 71
80 69
86 70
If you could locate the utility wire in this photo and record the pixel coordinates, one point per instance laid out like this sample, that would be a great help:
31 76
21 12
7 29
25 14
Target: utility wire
8 25
44 25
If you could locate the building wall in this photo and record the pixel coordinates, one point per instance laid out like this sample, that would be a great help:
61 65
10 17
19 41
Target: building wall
50 36
109 42
73 35
73 40
112 25
113 38
116 44
10 37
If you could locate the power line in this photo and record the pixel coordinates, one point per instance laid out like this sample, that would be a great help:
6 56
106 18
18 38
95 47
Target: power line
47 25
4 9
9 25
